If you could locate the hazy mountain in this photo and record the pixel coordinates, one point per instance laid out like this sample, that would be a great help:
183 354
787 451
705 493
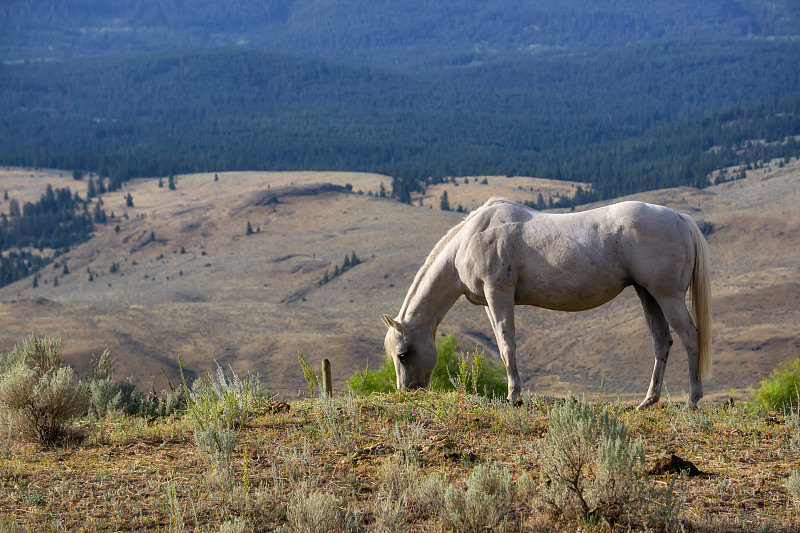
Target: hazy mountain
405 34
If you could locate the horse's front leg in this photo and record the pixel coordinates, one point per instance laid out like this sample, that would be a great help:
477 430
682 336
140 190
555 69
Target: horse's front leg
500 308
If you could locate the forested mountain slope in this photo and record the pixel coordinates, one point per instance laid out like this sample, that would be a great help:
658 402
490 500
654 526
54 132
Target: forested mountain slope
405 34
650 116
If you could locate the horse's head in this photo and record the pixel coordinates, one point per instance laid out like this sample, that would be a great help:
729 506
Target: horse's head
414 354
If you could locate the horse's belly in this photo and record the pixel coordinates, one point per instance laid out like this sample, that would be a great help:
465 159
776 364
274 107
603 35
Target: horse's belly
569 296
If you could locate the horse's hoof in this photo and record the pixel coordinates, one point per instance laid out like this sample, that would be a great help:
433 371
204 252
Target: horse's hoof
648 402
515 403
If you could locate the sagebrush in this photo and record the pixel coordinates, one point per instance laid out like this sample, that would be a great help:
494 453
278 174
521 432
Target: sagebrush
39 394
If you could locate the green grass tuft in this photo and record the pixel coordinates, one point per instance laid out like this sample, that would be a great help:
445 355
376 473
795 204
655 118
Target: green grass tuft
490 382
782 388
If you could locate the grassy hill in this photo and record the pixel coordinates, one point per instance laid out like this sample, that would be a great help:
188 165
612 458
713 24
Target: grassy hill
131 474
180 276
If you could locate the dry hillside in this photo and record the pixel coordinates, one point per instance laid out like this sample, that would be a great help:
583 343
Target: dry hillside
206 291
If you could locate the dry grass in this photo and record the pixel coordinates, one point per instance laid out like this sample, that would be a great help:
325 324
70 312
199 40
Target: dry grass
472 192
131 475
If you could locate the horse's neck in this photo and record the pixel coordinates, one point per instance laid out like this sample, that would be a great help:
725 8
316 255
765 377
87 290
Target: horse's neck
429 300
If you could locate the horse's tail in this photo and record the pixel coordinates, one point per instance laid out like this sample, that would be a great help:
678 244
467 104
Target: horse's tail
701 298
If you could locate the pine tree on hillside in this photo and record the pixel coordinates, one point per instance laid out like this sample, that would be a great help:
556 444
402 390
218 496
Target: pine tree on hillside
13 208
444 203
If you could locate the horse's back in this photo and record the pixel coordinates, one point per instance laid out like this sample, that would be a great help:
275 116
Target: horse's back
572 261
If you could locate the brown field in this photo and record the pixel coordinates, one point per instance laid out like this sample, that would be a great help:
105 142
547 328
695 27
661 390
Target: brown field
252 301
471 192
121 476
28 185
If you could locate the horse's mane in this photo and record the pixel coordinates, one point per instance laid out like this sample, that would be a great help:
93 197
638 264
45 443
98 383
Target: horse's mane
494 200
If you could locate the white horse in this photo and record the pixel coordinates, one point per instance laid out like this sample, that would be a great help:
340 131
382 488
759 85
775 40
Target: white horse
505 254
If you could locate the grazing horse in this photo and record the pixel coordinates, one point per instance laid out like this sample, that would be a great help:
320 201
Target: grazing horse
505 254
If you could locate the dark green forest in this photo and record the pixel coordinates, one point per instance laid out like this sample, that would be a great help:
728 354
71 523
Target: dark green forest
408 35
643 117
57 221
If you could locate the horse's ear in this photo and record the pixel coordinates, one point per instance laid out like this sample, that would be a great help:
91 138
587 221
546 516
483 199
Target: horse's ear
389 322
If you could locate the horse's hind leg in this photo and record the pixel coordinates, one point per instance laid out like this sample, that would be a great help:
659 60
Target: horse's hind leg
662 342
678 316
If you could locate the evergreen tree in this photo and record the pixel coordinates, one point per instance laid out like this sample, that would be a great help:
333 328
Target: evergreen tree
99 214
216 177
171 182
65 270
13 208
91 191
249 228
444 203
5 194
160 182
129 200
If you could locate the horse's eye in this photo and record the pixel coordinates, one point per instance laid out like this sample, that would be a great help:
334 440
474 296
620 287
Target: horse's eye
402 355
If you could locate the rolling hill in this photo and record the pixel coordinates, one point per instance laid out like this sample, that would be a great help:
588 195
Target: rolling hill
178 275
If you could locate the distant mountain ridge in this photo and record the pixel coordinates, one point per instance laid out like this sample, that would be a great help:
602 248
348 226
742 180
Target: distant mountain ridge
643 118
395 34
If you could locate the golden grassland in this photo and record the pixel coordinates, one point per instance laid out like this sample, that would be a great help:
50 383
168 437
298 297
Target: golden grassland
134 474
206 291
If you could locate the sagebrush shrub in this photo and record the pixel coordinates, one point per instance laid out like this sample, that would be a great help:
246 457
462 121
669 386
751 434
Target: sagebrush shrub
489 497
341 430
398 475
218 406
793 486
39 394
313 512
388 515
427 497
590 465
108 396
